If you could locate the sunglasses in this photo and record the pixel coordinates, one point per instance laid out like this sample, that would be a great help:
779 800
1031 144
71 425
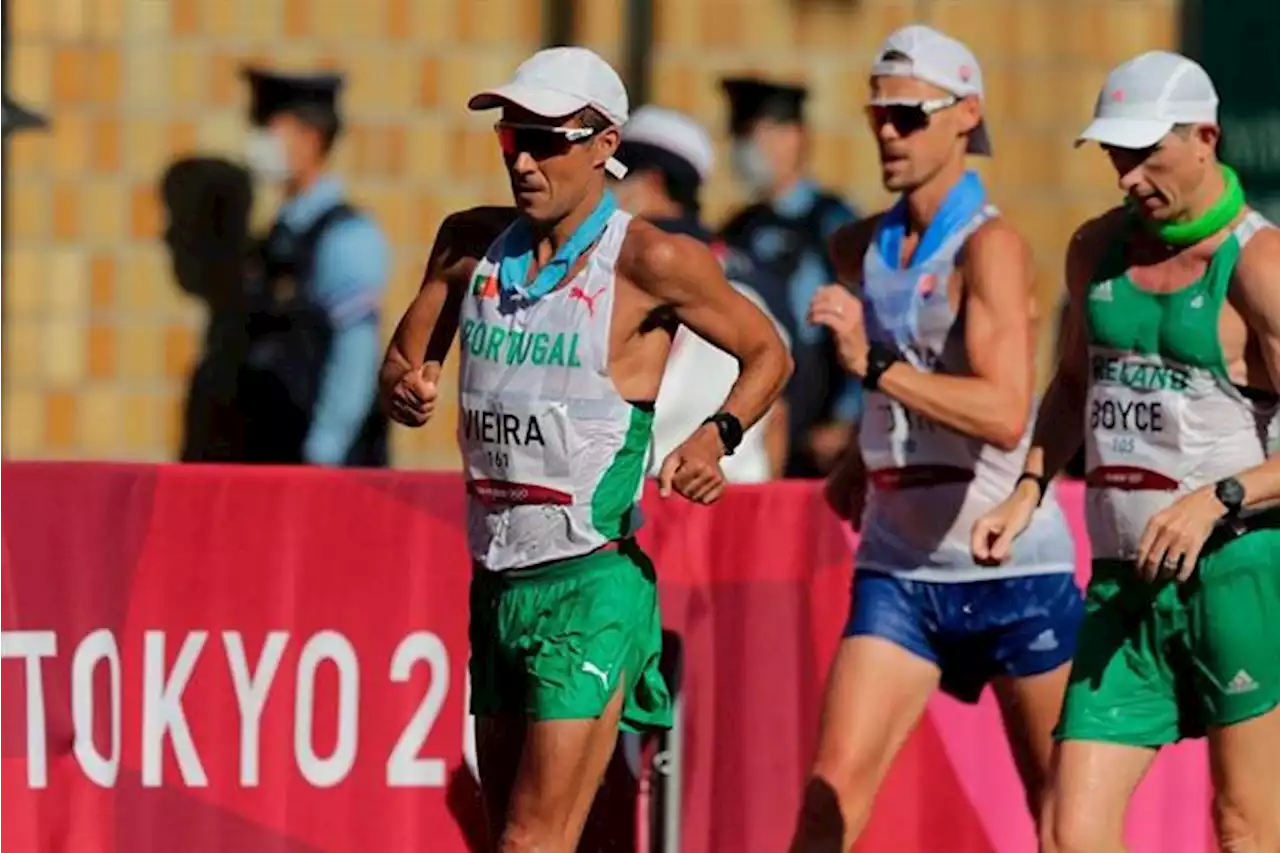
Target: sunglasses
537 140
907 117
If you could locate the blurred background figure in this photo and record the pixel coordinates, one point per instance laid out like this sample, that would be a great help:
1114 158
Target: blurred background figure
307 387
669 156
18 118
784 232
208 201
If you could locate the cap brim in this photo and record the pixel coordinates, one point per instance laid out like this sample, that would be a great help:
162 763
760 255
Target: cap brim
980 140
541 102
1132 133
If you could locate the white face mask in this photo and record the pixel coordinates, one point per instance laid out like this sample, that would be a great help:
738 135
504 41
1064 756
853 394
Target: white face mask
751 166
265 154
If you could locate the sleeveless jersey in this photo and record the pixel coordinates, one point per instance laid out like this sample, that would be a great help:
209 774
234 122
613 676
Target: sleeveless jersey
1163 417
928 483
554 458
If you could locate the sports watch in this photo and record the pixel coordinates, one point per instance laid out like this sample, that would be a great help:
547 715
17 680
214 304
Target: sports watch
730 429
1230 492
880 357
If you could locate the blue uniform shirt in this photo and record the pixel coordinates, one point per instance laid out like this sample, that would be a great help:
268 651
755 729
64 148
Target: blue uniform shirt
813 271
349 277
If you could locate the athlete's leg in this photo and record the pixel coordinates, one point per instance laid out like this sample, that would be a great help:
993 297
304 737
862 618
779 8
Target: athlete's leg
1030 707
1032 656
1245 761
499 744
876 693
1232 607
1120 707
561 766
1090 786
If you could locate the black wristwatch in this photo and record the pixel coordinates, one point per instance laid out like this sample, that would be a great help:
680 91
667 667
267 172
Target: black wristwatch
1041 481
1230 492
880 357
730 429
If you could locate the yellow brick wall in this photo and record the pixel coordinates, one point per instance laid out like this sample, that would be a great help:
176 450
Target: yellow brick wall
98 340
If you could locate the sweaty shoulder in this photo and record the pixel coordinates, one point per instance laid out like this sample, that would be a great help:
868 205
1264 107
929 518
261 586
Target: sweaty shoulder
847 247
464 237
1089 244
651 256
1260 258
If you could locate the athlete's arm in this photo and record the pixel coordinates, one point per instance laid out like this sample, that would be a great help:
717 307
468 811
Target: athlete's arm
681 273
1059 428
994 403
1257 277
411 367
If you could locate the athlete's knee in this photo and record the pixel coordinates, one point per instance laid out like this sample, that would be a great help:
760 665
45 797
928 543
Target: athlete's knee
526 835
1244 829
1076 830
851 779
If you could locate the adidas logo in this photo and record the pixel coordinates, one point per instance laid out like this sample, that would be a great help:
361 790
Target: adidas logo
1242 683
1102 293
1046 641
1198 302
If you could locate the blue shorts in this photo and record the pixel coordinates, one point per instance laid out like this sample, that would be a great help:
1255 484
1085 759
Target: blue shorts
974 631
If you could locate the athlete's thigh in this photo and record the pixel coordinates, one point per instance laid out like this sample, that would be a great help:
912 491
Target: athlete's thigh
1030 707
561 767
1090 786
1245 762
499 744
876 693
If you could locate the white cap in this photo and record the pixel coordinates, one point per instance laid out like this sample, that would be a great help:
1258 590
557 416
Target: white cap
1145 97
675 133
558 82
938 59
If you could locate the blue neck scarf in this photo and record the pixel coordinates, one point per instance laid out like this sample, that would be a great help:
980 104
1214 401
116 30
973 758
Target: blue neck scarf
517 256
962 202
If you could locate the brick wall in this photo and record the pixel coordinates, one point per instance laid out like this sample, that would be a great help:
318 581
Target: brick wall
98 341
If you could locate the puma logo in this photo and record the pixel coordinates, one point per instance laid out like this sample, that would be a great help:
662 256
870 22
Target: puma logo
591 669
587 299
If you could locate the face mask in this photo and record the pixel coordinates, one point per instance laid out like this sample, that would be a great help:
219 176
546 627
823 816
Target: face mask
751 166
266 156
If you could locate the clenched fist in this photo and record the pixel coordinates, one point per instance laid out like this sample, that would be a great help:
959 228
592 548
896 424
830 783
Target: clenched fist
412 401
839 310
692 470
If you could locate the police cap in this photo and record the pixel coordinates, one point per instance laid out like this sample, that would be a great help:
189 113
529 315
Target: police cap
754 98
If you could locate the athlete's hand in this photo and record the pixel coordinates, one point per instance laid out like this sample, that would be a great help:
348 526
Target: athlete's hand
839 310
413 399
994 532
692 470
1174 536
846 494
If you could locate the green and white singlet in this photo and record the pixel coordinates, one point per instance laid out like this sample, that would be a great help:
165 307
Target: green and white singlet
1163 416
554 457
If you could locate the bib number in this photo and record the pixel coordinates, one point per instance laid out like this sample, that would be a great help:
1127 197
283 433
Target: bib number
517 452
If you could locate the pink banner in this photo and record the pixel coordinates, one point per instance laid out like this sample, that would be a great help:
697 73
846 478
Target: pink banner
211 659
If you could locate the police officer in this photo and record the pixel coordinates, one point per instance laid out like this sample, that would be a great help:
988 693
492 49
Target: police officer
785 231
308 387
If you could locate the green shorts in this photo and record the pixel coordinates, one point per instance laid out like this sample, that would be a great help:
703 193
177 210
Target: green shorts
557 641
1157 663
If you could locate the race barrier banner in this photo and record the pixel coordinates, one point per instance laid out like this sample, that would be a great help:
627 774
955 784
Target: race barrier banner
250 660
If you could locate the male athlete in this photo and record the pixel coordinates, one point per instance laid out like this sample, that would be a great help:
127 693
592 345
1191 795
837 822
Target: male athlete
567 308
1173 361
937 324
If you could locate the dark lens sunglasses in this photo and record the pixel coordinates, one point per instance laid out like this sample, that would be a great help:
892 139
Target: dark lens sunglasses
907 117
539 141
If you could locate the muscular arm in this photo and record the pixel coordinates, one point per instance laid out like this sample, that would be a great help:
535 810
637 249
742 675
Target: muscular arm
1059 429
426 331
1257 278
995 401
681 273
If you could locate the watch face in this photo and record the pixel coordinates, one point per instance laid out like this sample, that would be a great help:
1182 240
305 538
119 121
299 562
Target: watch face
1231 493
